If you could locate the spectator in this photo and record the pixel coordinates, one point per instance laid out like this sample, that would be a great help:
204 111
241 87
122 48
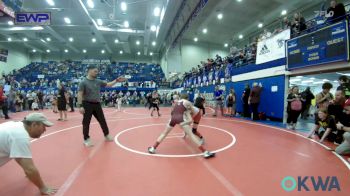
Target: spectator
286 24
323 98
3 102
62 102
328 124
254 100
231 102
245 98
344 125
344 85
336 106
336 11
298 24
308 97
218 95
294 107
35 105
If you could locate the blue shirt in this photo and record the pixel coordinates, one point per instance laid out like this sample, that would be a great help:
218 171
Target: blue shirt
218 95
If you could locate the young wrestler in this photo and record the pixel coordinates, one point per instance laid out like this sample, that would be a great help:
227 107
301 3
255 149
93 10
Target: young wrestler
181 115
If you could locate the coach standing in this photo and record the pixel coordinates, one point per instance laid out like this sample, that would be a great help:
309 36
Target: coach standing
89 102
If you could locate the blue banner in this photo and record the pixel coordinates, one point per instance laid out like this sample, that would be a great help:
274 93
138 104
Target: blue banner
329 44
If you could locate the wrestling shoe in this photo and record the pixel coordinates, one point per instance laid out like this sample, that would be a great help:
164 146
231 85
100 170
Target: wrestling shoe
151 150
208 155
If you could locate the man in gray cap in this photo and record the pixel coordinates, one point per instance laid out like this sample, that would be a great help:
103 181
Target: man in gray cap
15 144
89 102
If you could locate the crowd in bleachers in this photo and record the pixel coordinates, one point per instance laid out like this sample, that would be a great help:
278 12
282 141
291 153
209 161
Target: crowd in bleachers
34 86
247 55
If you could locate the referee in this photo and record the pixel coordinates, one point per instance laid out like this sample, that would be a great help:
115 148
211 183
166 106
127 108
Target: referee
89 102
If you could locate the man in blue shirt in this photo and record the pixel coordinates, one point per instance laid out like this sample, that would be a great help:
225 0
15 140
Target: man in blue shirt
218 95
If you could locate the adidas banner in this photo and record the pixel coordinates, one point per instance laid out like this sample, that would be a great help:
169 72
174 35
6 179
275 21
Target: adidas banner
272 48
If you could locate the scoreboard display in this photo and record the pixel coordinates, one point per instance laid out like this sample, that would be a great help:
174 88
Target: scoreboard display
329 44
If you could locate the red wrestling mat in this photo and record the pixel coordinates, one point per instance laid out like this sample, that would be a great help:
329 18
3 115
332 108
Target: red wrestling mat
252 159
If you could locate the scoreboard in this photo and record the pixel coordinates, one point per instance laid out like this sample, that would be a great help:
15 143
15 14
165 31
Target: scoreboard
329 44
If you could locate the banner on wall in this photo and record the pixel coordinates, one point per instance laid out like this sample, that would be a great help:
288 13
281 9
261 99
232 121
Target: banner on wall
272 48
95 61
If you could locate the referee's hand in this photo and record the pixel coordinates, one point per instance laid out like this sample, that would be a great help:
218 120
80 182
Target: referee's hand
81 110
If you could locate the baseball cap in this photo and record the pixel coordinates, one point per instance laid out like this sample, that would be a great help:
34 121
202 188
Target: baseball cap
38 117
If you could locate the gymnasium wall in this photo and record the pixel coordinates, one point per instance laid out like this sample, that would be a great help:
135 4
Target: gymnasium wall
188 54
18 57
272 96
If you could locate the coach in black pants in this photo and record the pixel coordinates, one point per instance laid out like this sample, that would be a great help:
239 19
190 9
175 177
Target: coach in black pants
90 103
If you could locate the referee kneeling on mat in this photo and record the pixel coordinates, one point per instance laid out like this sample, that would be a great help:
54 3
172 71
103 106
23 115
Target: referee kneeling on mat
89 102
15 144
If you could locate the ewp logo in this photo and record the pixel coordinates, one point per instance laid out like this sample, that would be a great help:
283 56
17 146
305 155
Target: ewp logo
33 18
318 184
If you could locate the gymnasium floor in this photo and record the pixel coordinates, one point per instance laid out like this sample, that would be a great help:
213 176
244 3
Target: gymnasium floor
252 159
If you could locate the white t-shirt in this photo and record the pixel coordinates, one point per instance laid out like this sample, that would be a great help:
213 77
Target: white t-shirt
35 105
14 142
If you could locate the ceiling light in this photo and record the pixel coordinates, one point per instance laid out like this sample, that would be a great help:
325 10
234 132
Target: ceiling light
25 39
154 43
67 20
299 77
137 42
312 78
335 81
156 11
205 31
102 51
90 3
9 39
71 39
195 39
220 16
284 12
99 22
239 0
139 53
33 50
84 51
126 24
116 41
65 50
325 80
226 45
240 36
48 51
93 40
151 53
260 25
318 82
121 52
48 39
123 6
153 28
295 80
50 2
42 40
10 22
